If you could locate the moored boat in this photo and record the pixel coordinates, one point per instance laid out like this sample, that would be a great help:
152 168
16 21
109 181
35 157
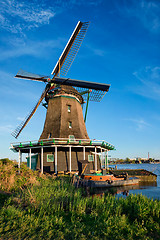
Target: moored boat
114 183
99 180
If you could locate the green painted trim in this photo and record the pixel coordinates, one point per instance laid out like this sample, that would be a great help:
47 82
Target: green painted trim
87 106
84 92
67 97
67 141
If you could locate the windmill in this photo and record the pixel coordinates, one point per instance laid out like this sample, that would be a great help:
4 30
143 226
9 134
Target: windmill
64 97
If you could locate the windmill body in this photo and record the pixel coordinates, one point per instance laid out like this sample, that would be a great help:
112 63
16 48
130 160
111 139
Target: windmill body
64 119
64 141
64 115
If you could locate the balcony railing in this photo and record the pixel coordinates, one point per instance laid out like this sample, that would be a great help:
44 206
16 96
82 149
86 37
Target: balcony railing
62 141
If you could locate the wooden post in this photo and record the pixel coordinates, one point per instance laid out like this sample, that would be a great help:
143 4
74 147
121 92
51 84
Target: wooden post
55 159
19 162
70 168
95 159
107 159
30 158
21 157
42 160
101 157
84 152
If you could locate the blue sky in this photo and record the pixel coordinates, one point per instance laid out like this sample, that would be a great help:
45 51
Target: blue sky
121 48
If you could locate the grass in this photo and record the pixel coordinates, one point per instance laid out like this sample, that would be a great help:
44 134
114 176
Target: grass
53 209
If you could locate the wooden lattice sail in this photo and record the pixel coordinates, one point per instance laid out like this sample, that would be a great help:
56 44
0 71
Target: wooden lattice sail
56 120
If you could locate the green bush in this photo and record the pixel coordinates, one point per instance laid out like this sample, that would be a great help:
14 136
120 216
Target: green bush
11 180
5 161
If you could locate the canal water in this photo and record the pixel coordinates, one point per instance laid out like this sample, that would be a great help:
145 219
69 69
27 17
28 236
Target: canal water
151 190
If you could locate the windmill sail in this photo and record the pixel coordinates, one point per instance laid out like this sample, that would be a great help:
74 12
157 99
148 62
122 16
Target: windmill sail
62 66
81 83
18 130
69 53
31 76
98 89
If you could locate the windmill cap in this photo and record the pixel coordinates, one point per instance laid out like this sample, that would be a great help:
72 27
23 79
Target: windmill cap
81 83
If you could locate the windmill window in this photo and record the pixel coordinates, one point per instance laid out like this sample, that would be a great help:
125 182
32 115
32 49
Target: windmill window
70 124
90 158
69 108
49 135
71 138
50 158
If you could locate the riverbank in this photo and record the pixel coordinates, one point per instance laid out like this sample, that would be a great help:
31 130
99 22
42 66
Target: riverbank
51 208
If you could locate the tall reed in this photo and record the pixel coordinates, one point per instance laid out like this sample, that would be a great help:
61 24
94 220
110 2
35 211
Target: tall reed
54 209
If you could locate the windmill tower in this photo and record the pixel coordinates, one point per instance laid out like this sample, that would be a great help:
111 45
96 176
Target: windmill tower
68 120
64 98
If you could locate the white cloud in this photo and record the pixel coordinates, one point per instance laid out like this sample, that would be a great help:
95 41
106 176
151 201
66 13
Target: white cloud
146 11
20 118
149 82
19 47
13 87
149 14
96 51
5 75
89 2
139 124
6 129
15 16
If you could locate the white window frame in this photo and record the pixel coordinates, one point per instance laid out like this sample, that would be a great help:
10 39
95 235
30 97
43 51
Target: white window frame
52 156
70 124
49 135
69 108
71 138
90 156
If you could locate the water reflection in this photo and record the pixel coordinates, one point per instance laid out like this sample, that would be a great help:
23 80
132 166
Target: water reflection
149 189
124 190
